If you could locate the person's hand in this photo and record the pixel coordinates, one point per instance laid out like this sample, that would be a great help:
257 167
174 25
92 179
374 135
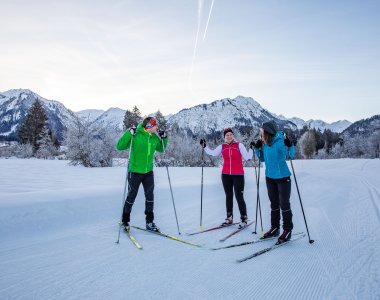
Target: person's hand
252 145
259 144
203 142
162 133
132 130
287 142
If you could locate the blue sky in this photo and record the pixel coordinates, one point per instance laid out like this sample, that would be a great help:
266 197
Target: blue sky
310 59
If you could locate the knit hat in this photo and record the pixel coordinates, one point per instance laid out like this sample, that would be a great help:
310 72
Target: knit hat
226 130
270 127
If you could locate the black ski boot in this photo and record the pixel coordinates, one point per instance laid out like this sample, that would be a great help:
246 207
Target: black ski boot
284 237
126 226
151 226
243 222
272 232
227 221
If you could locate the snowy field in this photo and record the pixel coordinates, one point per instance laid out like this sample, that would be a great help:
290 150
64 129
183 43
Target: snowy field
58 227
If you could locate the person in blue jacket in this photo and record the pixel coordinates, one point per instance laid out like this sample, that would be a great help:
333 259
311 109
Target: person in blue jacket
273 148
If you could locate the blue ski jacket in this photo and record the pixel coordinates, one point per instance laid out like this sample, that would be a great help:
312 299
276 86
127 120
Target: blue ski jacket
275 156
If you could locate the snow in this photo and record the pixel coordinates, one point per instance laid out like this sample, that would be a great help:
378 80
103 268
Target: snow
58 227
91 114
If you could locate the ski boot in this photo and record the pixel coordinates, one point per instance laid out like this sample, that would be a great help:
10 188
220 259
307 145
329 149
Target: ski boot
126 226
272 232
152 227
284 237
228 221
243 222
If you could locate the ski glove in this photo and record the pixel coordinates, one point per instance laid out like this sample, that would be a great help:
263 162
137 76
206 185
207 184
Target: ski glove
162 134
287 142
203 142
259 144
132 130
252 145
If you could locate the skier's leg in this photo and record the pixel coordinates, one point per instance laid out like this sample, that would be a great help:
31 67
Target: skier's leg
284 187
148 184
274 202
228 184
239 194
134 181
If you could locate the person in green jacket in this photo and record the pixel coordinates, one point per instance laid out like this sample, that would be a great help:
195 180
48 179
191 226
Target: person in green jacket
145 140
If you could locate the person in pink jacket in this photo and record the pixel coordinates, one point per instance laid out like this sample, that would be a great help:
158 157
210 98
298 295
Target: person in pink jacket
232 173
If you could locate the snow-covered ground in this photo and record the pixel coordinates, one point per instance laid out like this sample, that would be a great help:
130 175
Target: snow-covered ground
58 227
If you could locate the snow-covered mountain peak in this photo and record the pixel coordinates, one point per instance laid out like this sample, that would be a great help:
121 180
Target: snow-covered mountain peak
208 118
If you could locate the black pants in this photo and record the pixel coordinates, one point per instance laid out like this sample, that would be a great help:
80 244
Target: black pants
279 196
231 183
134 181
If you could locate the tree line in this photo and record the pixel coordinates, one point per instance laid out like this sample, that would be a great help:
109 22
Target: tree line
93 145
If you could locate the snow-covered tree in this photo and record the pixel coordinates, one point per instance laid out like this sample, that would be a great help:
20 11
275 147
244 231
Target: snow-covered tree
89 144
307 144
24 150
46 147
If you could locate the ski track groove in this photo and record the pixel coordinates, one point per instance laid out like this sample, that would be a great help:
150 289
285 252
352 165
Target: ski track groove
373 194
85 263
331 237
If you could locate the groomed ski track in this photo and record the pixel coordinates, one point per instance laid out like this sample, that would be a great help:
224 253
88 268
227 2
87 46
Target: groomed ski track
58 227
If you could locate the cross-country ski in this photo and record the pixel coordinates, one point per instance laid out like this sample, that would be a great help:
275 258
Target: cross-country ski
236 231
133 240
274 246
167 236
248 242
212 229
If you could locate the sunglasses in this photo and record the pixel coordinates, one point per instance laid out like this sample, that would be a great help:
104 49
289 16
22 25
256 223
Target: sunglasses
151 124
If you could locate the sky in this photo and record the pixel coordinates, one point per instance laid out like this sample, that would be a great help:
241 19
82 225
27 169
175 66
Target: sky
298 58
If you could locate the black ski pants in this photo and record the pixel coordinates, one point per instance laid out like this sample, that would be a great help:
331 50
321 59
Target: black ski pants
279 196
134 181
235 183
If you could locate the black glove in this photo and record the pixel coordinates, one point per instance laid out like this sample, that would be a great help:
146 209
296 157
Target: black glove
203 142
259 144
252 145
287 142
295 142
132 130
162 133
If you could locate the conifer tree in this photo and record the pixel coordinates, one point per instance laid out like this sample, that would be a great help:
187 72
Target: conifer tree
132 118
32 127
162 123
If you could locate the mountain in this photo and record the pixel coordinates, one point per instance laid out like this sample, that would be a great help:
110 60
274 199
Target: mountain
90 114
337 126
364 127
14 105
211 118
243 112
112 118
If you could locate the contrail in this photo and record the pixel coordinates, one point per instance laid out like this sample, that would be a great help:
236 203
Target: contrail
208 20
200 7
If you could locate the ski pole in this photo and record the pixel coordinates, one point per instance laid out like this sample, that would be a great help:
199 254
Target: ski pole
125 189
299 196
171 191
258 204
203 154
